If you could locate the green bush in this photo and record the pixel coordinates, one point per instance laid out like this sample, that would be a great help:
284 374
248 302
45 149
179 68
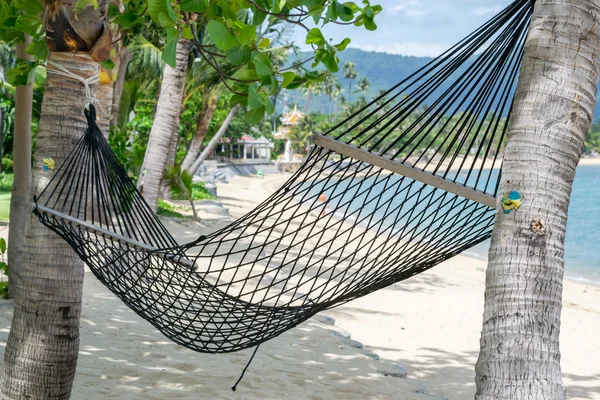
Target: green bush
3 270
199 192
167 210
6 182
7 165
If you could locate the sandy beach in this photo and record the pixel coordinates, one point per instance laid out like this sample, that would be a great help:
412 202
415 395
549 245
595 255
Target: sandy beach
428 326
589 161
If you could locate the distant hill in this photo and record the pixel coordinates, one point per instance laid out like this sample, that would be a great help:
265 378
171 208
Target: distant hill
383 70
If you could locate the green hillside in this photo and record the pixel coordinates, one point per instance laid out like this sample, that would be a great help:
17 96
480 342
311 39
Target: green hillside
383 70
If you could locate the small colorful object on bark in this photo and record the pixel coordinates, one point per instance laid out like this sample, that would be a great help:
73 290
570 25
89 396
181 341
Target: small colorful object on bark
511 202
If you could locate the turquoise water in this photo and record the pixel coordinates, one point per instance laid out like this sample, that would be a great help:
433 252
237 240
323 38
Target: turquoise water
356 198
582 246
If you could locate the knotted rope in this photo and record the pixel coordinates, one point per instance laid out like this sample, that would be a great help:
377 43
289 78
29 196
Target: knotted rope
90 94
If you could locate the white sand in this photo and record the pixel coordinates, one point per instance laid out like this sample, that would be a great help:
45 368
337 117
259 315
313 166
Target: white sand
430 324
589 161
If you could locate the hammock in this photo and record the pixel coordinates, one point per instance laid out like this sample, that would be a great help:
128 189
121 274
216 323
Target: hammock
387 194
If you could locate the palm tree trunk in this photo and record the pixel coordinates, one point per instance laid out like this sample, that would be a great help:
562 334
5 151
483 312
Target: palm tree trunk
210 146
21 190
519 356
124 59
104 95
43 344
165 122
209 105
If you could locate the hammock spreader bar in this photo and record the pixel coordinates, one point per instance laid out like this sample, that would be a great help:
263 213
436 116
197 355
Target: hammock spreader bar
407 182
397 167
114 237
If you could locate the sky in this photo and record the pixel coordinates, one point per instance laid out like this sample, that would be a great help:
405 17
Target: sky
416 27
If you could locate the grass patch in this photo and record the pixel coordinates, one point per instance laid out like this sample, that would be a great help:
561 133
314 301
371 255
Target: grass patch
199 192
6 182
4 206
168 210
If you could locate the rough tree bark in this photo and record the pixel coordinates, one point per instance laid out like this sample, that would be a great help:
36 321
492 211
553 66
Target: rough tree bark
104 95
211 145
21 190
553 109
43 344
165 122
124 59
42 348
209 105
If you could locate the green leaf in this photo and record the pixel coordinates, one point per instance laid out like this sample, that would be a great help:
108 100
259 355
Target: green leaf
262 62
2 245
30 24
274 86
345 11
255 116
186 32
314 36
245 74
197 6
162 13
169 54
32 7
264 43
352 6
128 19
332 12
245 34
238 99
369 23
296 83
21 74
288 77
38 49
258 16
269 107
238 55
221 37
255 99
108 64
165 21
343 44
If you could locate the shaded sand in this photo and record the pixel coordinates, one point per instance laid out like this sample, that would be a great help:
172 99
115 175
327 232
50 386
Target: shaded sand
123 357
431 323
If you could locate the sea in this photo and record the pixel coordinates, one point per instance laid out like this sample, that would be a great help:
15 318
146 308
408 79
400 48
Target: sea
582 247
582 244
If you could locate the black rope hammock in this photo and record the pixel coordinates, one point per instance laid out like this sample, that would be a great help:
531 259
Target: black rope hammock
387 194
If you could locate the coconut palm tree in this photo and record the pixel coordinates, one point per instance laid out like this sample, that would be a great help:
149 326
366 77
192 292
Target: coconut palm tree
350 73
209 105
166 122
43 344
519 356
363 87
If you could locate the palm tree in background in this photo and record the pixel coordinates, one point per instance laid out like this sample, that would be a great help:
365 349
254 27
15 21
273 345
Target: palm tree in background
363 87
350 73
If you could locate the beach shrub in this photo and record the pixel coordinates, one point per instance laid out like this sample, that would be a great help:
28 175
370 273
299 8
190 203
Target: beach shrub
168 210
200 192
6 182
7 165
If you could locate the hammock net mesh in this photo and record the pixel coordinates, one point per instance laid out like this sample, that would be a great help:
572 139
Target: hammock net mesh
404 184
